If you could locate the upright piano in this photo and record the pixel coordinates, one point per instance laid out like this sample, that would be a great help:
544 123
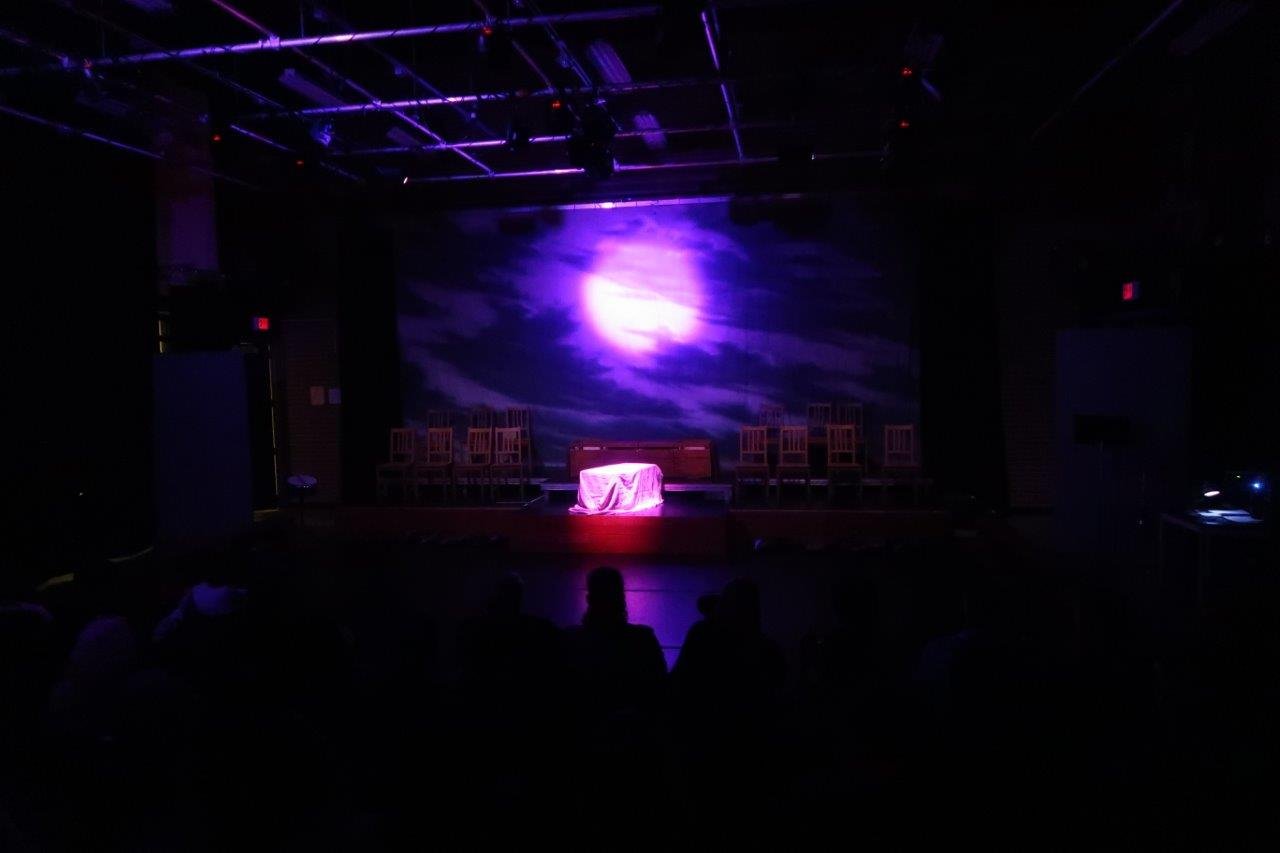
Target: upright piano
681 460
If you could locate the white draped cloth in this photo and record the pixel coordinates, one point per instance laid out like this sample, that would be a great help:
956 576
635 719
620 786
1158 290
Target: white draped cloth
624 487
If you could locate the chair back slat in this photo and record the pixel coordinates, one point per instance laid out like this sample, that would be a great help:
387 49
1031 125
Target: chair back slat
439 418
508 449
479 446
842 444
402 444
772 415
899 446
847 412
819 415
753 445
793 446
439 446
480 417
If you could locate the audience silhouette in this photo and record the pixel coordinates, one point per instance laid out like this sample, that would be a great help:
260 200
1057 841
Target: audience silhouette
270 701
613 666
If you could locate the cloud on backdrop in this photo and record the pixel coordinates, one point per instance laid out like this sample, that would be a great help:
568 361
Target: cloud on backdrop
662 321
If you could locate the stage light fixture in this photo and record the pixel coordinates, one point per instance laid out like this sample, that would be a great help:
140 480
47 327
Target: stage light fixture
299 162
404 181
904 124
216 138
262 324
322 133
907 72
590 145
1212 493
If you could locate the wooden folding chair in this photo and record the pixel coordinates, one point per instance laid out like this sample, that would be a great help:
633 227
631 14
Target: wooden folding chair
477 459
817 417
439 418
399 464
850 412
900 460
508 458
480 417
521 417
753 459
793 460
435 467
842 455
771 415
900 448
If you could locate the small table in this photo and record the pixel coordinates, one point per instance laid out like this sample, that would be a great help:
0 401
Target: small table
617 489
1206 526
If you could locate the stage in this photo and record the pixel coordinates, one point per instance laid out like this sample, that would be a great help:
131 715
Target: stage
680 527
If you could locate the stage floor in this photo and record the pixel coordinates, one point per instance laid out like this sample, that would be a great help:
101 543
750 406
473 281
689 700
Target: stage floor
701 528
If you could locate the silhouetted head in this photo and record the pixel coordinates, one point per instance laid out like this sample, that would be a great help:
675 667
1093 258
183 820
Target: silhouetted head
739 608
606 597
508 595
707 604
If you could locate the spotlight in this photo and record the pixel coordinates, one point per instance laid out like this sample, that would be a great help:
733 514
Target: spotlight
904 124
299 162
1257 485
262 324
907 72
1212 493
216 138
322 133
405 181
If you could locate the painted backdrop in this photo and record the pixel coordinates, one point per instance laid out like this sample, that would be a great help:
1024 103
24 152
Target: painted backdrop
658 321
